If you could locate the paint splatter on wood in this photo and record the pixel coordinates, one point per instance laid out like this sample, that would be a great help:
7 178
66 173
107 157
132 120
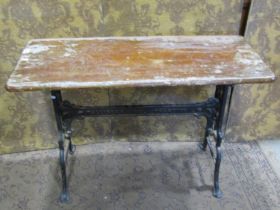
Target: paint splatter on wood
137 61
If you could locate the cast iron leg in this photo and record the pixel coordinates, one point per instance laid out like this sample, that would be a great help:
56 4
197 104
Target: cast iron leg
57 102
209 127
223 93
68 136
217 192
72 147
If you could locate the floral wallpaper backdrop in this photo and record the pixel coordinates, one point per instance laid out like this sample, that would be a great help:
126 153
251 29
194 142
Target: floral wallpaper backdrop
27 120
256 108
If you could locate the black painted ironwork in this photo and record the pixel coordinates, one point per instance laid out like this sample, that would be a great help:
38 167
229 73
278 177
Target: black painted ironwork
71 111
57 102
223 94
214 109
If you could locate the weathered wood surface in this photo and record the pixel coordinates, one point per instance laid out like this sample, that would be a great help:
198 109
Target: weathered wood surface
137 61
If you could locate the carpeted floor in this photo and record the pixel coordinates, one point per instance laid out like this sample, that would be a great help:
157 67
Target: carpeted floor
165 176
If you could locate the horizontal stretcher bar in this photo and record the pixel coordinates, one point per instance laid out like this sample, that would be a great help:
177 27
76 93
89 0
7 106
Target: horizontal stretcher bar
200 108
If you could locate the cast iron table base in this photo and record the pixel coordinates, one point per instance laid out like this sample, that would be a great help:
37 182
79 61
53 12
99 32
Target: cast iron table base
214 109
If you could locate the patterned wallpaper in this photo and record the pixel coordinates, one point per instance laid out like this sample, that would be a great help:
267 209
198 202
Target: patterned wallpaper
256 108
26 119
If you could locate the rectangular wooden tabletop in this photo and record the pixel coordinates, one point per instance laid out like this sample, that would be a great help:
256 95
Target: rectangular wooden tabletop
73 63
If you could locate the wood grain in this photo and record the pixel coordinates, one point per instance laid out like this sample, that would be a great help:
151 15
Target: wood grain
73 63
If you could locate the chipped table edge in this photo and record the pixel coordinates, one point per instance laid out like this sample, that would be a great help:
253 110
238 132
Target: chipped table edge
141 83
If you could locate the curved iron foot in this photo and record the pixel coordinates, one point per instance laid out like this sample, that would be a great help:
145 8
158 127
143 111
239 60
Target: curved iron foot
64 197
217 192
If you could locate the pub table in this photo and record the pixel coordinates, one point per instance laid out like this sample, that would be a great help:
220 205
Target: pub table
115 62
